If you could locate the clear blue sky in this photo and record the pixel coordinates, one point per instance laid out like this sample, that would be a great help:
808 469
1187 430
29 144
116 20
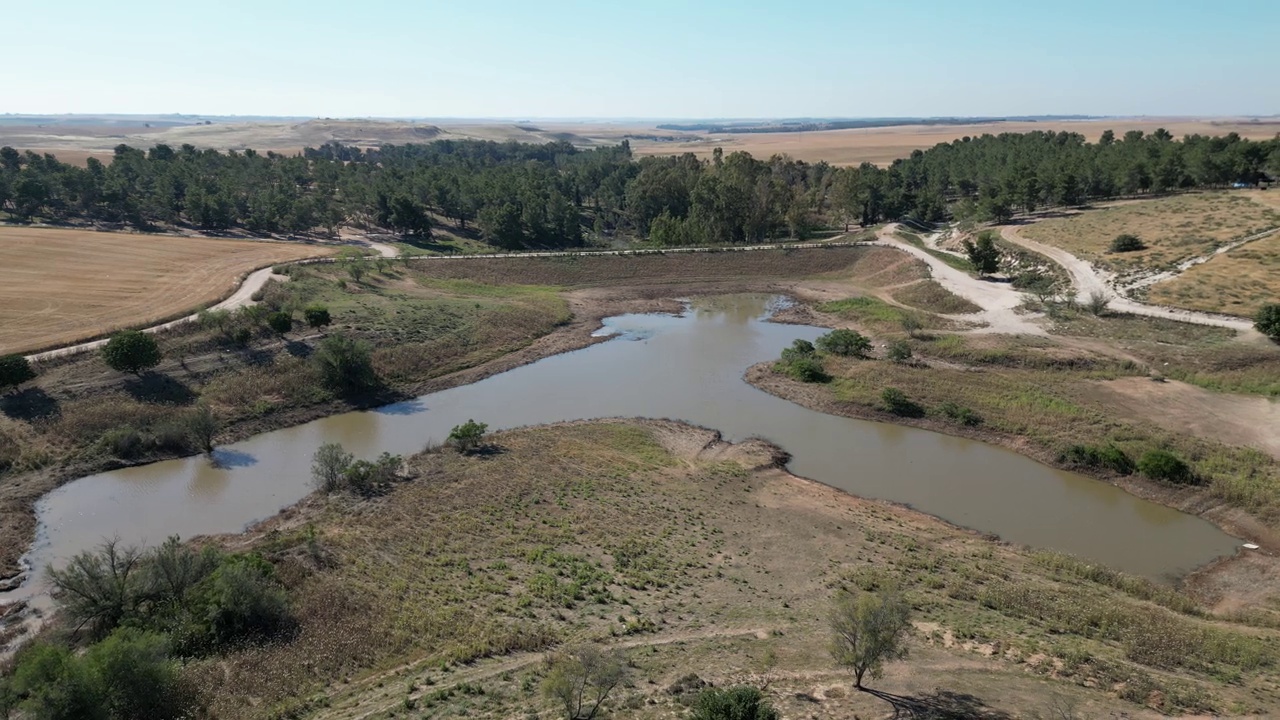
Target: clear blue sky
653 58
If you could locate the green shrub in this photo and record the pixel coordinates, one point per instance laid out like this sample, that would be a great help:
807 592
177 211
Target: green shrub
1127 242
241 336
896 402
122 442
280 321
345 363
959 413
131 351
899 351
468 437
735 703
14 370
1164 465
1107 457
845 342
799 349
1267 321
317 316
807 369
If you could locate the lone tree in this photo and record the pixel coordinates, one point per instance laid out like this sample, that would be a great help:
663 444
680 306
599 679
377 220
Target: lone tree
131 351
845 342
868 630
14 370
203 426
468 436
984 255
345 363
581 678
317 316
1268 321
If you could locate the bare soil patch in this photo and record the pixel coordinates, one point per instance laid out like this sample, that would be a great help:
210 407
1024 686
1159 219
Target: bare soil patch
67 285
1183 408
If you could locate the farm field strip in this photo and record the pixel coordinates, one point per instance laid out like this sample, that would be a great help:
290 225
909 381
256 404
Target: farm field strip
61 286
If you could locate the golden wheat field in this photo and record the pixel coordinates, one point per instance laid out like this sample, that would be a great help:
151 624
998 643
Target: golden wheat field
59 286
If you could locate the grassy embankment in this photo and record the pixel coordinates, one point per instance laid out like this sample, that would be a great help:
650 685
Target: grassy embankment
435 600
426 321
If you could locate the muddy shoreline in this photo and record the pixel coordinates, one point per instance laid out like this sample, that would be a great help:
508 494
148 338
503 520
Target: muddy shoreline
589 307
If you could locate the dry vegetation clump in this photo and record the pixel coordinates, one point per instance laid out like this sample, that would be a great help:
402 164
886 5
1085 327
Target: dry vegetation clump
930 296
1172 228
440 596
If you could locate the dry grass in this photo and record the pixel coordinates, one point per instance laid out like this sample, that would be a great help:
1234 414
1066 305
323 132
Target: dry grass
1238 281
435 600
929 295
67 285
1173 228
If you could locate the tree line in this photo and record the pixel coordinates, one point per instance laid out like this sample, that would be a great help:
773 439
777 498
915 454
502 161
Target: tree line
517 195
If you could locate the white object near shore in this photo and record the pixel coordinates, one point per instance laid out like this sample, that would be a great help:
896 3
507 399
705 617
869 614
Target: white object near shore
1249 546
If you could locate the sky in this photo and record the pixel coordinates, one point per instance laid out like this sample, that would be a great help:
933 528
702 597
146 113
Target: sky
641 59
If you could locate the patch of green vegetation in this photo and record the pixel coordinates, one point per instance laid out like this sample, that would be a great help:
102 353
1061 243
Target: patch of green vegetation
872 311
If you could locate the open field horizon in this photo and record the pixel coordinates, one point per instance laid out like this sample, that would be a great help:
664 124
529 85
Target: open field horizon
879 145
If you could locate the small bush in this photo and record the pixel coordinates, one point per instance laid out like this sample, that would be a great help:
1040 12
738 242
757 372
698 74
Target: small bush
241 336
468 437
1164 465
896 402
798 350
329 466
808 369
1127 242
899 351
1267 321
317 316
123 442
1108 457
14 370
845 342
959 413
735 703
1097 303
280 321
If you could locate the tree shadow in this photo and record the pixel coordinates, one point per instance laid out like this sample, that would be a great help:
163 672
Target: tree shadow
30 404
408 407
157 388
298 349
940 705
256 357
226 459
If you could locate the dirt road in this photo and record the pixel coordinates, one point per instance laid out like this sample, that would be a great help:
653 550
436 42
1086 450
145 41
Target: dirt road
999 301
1089 280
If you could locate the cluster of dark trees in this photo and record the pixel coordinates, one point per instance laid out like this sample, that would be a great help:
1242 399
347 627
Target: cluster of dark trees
517 195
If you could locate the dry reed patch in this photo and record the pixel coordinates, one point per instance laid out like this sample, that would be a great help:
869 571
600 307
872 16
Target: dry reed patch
1173 228
929 295
61 286
1238 281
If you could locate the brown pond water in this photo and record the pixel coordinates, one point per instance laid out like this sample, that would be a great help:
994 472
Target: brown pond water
688 368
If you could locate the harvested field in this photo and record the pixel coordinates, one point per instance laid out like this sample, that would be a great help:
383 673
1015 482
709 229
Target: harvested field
61 286
883 145
1238 281
1173 228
